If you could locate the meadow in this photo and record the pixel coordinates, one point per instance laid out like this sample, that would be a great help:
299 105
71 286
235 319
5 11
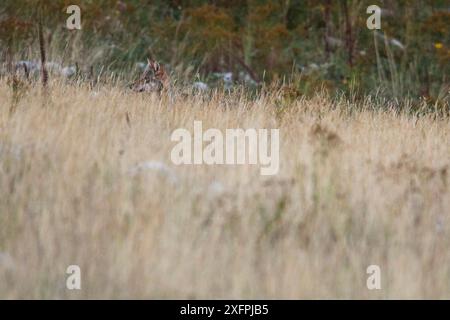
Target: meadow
86 179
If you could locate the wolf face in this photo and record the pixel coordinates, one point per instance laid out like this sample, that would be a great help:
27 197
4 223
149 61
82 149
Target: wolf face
153 79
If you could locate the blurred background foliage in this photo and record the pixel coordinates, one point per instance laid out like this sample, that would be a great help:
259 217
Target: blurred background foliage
304 43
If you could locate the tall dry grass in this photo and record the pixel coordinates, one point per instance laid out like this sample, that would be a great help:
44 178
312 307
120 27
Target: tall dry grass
358 185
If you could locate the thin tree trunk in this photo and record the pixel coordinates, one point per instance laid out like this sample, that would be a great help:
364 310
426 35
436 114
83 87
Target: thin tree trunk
42 50
348 32
327 17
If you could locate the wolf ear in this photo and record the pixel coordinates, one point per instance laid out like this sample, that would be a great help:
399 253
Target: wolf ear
156 66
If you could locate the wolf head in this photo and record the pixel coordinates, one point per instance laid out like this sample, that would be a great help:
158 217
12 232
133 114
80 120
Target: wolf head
153 79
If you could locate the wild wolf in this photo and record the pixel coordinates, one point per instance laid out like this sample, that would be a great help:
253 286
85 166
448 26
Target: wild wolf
153 79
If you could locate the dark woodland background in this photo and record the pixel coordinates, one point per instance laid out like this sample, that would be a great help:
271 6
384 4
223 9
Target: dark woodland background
302 42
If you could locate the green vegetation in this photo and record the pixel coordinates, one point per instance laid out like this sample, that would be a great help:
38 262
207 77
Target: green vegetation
308 44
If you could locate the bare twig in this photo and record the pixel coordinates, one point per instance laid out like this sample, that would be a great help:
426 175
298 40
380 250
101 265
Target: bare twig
349 42
327 17
42 50
247 68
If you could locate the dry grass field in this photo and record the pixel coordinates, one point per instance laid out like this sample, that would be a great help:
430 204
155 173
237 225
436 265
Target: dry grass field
86 179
